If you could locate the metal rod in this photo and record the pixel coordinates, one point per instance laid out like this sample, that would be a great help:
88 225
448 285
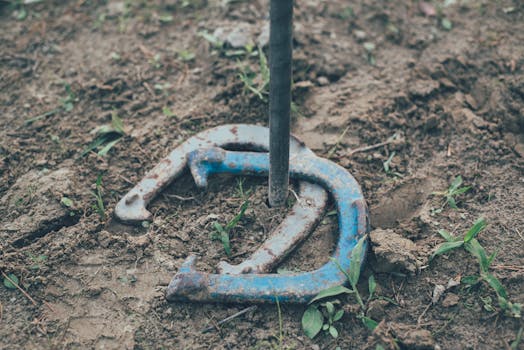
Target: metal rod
280 54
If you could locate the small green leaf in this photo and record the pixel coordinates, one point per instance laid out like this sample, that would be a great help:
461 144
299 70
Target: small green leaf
357 256
333 331
515 309
237 218
338 315
470 280
457 181
8 284
218 228
312 321
446 24
331 292
167 112
492 257
213 40
117 123
447 236
461 190
452 203
495 284
325 327
370 323
107 147
446 247
478 226
66 202
372 285
369 46
330 308
474 247
165 18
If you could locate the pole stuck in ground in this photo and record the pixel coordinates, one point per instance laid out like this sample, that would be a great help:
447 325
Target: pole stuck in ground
280 54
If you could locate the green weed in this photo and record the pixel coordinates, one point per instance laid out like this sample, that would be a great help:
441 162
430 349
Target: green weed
322 316
453 191
472 245
99 203
387 166
222 233
106 136
11 281
256 82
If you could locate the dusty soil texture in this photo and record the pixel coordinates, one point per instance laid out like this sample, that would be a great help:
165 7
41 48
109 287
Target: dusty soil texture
444 79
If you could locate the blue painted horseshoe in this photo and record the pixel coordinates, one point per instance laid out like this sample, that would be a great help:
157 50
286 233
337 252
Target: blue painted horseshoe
301 220
192 285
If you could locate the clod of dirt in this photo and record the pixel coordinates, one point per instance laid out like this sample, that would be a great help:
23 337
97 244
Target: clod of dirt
239 36
33 205
400 204
392 252
412 338
465 116
376 309
423 88
381 336
450 300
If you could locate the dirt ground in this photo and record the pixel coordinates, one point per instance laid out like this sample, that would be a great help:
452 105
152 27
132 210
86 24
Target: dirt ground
449 85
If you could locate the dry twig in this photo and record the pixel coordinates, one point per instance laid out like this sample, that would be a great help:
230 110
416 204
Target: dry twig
227 319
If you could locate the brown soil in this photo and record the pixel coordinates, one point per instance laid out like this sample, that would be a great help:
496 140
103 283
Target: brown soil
454 98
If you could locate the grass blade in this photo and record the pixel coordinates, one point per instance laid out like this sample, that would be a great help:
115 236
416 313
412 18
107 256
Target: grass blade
478 226
372 285
457 181
237 218
331 292
495 284
446 247
447 236
478 252
356 262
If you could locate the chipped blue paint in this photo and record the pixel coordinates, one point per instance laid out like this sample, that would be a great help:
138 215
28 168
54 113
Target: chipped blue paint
192 285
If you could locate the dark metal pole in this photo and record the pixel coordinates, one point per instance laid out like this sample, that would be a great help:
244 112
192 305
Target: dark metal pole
280 53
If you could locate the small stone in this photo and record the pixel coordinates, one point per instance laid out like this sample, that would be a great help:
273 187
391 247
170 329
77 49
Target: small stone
450 300
393 253
360 35
437 293
322 81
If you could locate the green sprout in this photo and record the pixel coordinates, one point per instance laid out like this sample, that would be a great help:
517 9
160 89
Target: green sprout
322 316
222 233
453 191
472 245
